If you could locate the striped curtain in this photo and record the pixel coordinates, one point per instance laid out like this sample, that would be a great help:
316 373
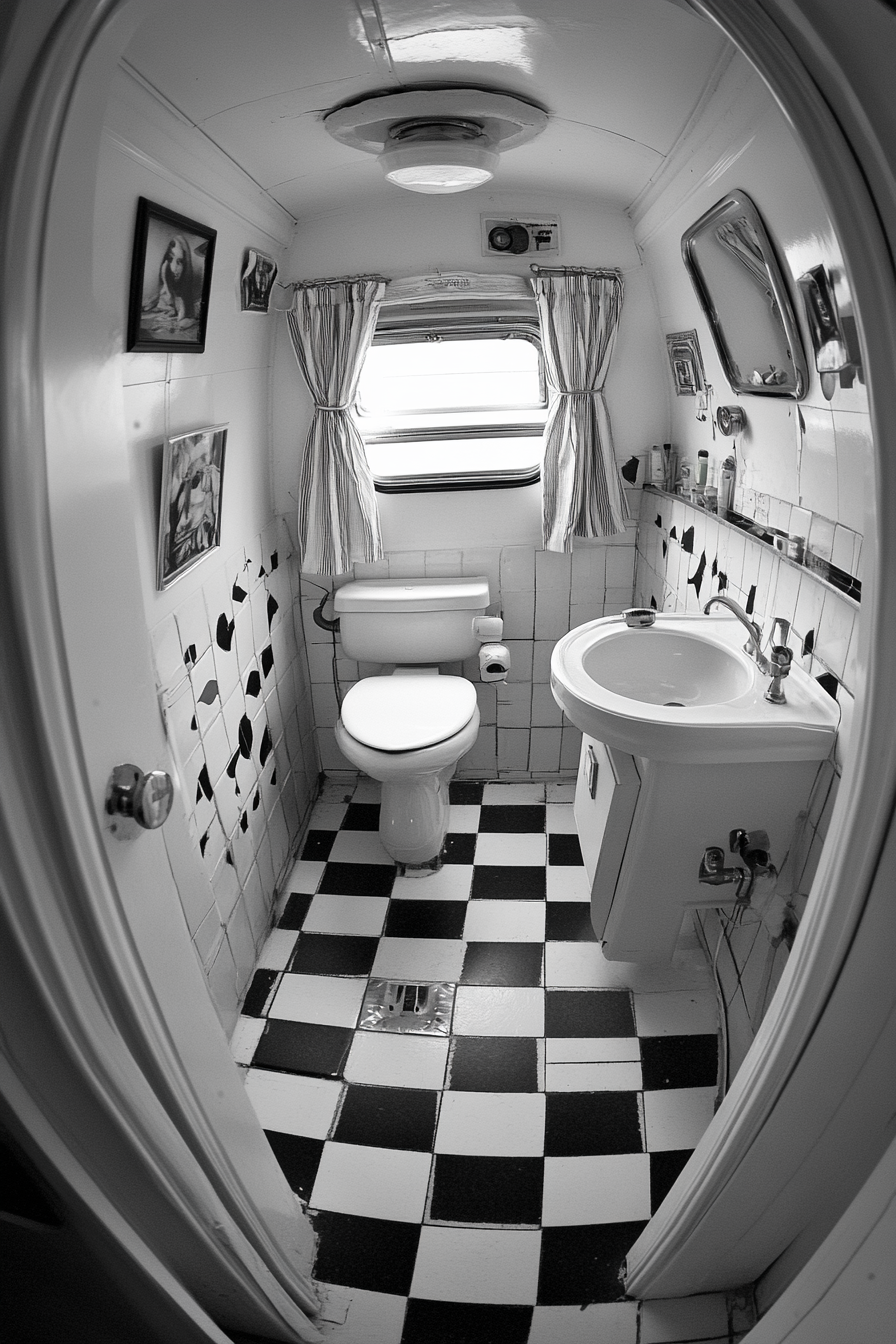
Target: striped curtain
578 312
331 323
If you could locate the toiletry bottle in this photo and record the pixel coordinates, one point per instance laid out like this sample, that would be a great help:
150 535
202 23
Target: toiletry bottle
726 485
702 468
657 467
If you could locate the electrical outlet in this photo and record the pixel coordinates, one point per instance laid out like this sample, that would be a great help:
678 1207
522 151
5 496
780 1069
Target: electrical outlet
520 236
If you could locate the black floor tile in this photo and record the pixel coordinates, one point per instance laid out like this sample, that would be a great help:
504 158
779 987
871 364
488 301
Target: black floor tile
333 954
465 793
465 1323
426 919
679 1061
504 882
294 911
580 1265
493 1064
510 964
318 844
517 818
564 850
372 1253
459 847
259 993
361 817
358 879
502 1190
388 1117
303 1047
584 1124
588 1012
569 922
299 1159
664 1172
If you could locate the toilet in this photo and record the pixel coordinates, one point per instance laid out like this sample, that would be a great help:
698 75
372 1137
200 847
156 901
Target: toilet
409 728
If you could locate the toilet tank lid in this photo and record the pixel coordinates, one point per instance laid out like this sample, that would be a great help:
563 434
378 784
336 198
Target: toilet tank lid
423 594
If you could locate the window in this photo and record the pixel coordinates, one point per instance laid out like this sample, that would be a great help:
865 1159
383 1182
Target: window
452 396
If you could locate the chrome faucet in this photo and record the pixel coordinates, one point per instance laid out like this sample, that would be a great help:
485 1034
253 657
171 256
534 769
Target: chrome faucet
754 644
777 666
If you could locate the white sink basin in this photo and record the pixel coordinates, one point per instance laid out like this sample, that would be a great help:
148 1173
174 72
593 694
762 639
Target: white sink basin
683 689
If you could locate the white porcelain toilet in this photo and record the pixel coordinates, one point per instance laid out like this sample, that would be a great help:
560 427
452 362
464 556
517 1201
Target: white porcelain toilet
410 728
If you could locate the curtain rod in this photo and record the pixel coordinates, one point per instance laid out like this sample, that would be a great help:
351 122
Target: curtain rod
613 274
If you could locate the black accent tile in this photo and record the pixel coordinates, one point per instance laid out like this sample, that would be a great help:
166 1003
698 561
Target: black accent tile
504 882
361 817
259 993
465 1323
425 919
664 1172
459 847
318 845
564 850
487 1189
511 964
493 1064
584 1124
588 1012
521 818
388 1117
580 1265
465 793
333 954
303 1047
358 879
299 1159
373 1253
294 911
569 922
679 1061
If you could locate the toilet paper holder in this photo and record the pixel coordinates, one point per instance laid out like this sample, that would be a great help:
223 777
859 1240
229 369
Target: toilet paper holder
494 662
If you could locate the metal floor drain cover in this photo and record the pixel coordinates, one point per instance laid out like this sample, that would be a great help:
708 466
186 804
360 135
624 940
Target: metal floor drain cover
408 1006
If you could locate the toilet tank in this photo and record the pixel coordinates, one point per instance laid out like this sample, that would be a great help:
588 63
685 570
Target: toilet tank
410 620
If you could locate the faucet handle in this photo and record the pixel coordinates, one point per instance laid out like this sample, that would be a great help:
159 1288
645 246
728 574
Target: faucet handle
785 630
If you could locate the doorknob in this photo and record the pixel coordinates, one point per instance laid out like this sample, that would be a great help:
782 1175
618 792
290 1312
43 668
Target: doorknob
147 798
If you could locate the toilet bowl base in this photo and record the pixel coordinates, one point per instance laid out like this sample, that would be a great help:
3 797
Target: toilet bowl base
420 869
414 821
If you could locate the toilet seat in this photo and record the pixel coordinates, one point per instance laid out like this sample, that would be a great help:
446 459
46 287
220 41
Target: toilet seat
407 713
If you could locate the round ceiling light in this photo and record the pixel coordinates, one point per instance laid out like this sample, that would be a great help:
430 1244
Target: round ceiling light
437 141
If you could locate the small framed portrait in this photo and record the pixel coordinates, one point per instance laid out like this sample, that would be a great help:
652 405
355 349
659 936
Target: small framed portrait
171 278
256 281
686 363
190 509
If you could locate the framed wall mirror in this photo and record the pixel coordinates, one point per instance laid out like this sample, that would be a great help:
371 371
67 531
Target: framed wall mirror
741 288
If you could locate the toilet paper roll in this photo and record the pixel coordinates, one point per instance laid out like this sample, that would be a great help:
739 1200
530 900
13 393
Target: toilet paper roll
494 662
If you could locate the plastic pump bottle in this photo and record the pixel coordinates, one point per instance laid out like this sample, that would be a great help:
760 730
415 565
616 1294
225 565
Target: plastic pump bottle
702 468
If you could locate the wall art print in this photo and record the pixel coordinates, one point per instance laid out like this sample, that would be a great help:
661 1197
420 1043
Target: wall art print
171 277
686 363
190 509
256 281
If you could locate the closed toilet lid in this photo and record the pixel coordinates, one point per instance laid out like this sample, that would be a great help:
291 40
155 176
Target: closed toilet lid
405 713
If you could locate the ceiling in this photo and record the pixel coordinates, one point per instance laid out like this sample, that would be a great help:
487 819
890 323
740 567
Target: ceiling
619 78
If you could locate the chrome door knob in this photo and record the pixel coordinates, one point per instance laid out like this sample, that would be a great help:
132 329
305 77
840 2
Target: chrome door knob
147 798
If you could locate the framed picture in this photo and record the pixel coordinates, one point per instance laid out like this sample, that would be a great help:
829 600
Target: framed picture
257 280
190 508
171 277
686 363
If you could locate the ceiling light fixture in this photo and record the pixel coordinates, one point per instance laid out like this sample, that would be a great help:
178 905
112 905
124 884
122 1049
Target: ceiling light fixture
437 141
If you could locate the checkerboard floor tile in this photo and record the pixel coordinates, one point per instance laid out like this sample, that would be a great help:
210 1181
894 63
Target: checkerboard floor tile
483 1185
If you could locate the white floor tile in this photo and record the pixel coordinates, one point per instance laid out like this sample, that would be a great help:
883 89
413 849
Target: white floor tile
390 1059
278 948
523 850
625 1077
491 1124
677 1118
367 790
356 1316
358 847
419 959
327 999
592 1050
292 1103
560 819
568 883
372 1182
327 816
576 966
463 817
606 1189
507 794
337 790
505 922
361 915
460 1264
305 876
608 1322
682 1319
245 1038
485 1010
560 793
678 1013
451 883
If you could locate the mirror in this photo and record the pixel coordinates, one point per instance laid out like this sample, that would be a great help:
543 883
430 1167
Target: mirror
741 289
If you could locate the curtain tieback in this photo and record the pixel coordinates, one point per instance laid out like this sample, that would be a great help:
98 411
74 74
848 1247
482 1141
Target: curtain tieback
580 392
318 407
